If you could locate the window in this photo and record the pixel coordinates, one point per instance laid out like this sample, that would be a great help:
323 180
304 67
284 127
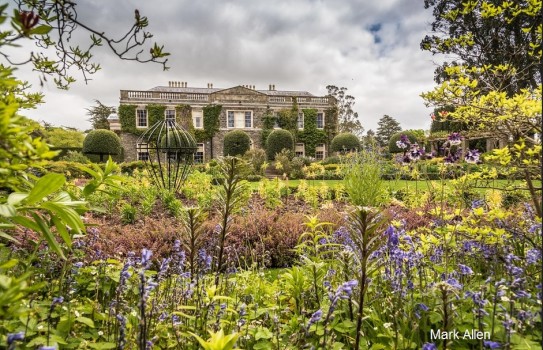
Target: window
199 155
170 115
240 119
299 150
320 120
142 150
230 119
320 151
248 120
141 118
198 119
301 120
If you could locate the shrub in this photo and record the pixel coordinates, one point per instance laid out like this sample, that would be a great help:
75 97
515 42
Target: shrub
393 148
277 141
283 161
256 158
102 142
75 156
128 214
345 142
69 169
331 160
236 143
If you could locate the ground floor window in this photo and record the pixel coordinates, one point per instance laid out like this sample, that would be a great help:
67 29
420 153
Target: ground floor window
199 155
299 151
320 151
142 150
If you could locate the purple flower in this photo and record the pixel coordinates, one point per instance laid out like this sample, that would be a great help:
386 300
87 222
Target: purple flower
533 256
146 258
316 317
491 344
454 283
403 142
429 346
47 348
416 152
78 264
472 156
465 270
455 139
13 337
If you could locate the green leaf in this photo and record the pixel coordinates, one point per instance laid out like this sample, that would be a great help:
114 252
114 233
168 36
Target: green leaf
62 231
16 197
9 264
7 210
85 320
26 222
48 235
102 345
45 186
41 30
263 345
263 333
8 237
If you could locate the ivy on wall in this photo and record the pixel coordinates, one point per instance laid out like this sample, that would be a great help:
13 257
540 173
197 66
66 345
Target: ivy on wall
183 116
211 124
127 117
268 122
311 136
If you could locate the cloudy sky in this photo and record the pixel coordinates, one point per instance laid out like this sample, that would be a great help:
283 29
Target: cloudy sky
369 47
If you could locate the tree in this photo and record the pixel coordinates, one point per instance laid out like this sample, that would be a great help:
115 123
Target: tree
63 137
348 119
487 88
387 126
99 114
487 34
55 24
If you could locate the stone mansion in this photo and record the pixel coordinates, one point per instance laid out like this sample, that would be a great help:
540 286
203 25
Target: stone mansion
236 108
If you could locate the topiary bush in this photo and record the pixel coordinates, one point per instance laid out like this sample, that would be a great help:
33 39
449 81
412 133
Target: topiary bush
345 142
103 143
277 141
393 148
236 143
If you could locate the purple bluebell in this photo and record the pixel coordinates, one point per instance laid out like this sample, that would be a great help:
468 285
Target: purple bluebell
121 342
47 347
316 317
146 255
429 346
13 337
533 256
491 344
465 270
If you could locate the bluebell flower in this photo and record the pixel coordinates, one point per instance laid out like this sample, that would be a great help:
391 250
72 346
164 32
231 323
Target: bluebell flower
78 264
47 347
146 258
429 346
13 337
533 256
454 283
491 344
316 317
465 270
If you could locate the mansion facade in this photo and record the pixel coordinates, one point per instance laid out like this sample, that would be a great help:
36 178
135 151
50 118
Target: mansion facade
237 108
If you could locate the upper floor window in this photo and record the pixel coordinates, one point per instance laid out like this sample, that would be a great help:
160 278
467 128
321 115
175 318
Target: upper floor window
300 120
198 119
170 115
320 120
141 118
239 119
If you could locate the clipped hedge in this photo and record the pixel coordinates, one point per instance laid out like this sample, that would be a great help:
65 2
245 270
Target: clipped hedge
103 143
236 143
277 141
345 142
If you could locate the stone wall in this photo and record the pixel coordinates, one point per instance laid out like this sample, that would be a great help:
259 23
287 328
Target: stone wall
129 142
